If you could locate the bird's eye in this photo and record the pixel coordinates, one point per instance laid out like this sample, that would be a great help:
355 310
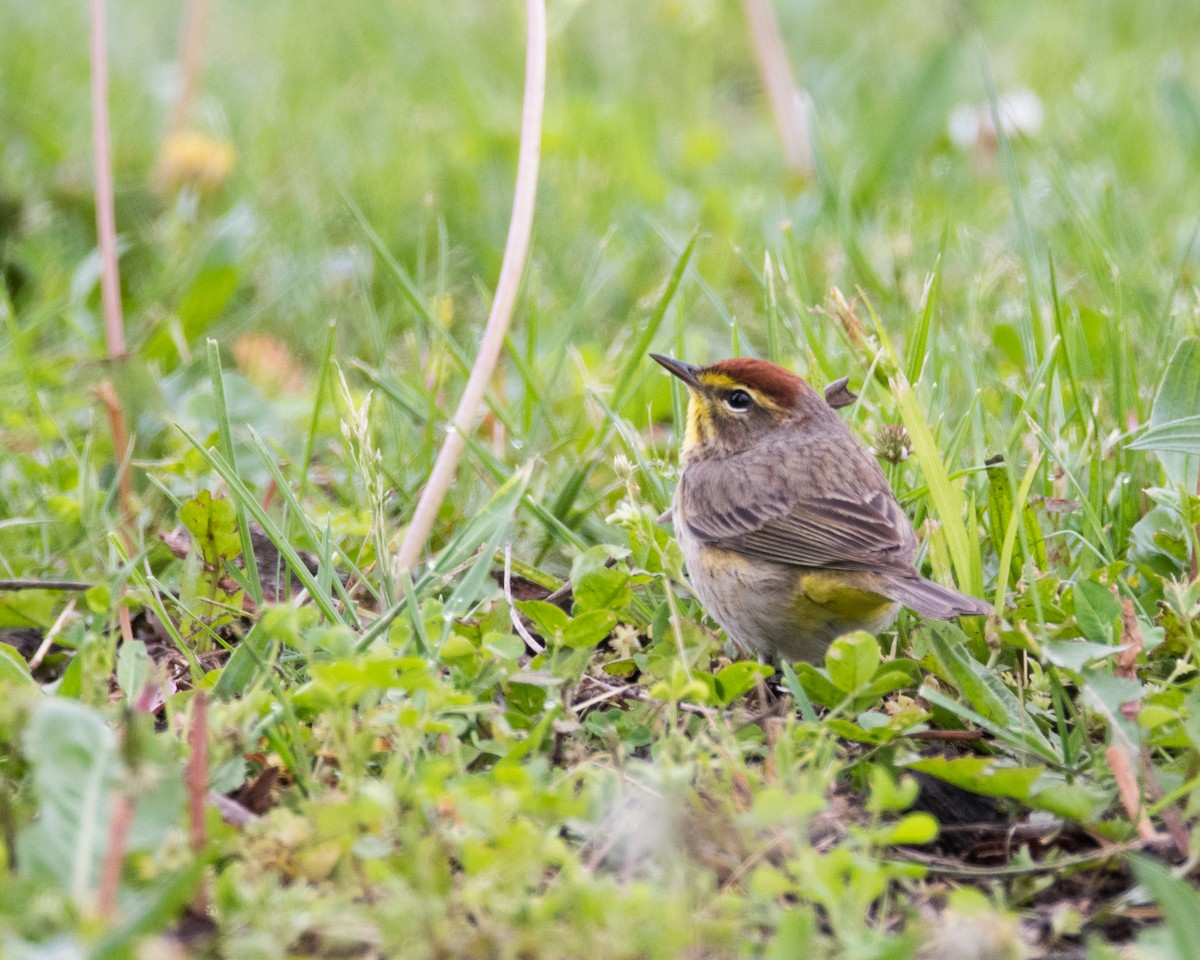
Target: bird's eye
738 400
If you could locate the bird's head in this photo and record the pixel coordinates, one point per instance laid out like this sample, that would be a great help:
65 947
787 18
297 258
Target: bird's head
734 403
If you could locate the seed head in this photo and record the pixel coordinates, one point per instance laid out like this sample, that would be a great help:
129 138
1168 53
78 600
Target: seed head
891 443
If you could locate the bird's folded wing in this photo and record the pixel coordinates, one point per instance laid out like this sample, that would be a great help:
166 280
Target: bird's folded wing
847 531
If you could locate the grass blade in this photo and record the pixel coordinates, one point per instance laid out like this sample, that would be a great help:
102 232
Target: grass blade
225 433
636 359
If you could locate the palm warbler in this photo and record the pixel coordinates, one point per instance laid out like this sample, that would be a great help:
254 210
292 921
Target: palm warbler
791 534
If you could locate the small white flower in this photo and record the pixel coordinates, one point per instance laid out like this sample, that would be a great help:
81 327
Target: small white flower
972 125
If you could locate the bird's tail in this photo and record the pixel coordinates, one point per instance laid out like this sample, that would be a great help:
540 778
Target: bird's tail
932 599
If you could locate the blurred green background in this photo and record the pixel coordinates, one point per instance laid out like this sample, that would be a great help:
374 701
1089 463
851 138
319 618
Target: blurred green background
655 123
401 119
335 279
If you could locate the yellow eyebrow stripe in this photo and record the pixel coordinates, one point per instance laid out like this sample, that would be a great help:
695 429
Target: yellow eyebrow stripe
712 379
720 381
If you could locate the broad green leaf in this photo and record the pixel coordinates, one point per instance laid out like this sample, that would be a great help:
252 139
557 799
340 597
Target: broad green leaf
507 646
588 629
819 687
594 559
70 685
1075 654
739 678
625 667
1096 611
851 661
1176 436
207 296
981 687
247 663
13 668
1178 900
456 647
75 771
889 795
981 775
98 598
882 684
1155 715
524 702
212 523
1106 695
74 758
1178 399
911 829
680 685
1160 541
794 934
133 668
547 619
1033 786
1081 801
603 589
849 730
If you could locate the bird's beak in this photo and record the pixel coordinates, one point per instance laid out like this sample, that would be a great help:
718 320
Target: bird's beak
684 371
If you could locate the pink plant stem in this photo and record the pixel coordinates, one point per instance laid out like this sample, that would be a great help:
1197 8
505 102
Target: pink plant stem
466 417
124 807
788 104
114 855
192 32
197 786
106 218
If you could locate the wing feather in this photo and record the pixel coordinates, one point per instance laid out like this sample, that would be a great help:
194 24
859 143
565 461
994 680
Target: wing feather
779 508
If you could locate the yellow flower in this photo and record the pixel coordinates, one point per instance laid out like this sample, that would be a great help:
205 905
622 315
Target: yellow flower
195 159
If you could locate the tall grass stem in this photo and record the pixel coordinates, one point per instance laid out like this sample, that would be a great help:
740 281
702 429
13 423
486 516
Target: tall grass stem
511 269
789 104
106 218
193 29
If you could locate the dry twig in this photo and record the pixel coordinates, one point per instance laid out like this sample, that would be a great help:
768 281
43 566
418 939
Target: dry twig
34 583
517 623
47 641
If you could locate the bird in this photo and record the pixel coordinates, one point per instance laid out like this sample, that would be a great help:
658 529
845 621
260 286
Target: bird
790 532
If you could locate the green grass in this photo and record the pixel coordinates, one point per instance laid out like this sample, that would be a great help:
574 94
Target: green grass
428 789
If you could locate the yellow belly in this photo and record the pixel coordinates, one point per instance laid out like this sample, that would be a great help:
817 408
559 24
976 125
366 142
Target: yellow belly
836 595
776 609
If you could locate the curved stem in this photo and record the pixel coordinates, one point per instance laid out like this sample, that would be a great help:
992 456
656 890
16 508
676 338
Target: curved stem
512 267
